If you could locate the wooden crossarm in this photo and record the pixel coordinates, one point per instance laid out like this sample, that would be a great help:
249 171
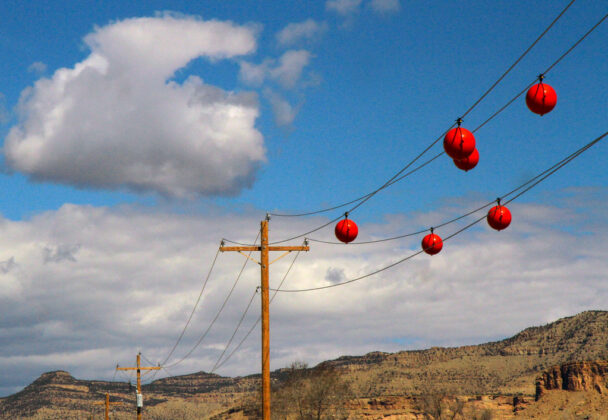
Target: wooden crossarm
270 248
239 248
289 248
264 248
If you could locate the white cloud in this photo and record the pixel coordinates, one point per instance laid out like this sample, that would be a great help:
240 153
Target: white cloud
284 112
37 67
297 32
287 70
125 280
255 74
290 67
343 7
385 6
115 121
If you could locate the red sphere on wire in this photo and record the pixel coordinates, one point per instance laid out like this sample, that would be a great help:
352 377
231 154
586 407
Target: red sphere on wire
469 162
541 98
432 244
499 217
346 230
459 143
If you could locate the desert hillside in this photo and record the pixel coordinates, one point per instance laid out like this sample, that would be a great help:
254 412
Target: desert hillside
503 376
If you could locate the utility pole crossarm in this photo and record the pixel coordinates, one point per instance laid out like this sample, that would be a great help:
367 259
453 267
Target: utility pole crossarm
264 249
139 368
239 248
270 248
107 405
289 248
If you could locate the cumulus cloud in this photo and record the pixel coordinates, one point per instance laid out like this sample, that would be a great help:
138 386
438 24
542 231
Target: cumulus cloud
61 252
284 112
385 6
37 67
135 276
302 31
117 120
343 7
290 67
348 9
7 265
255 74
287 70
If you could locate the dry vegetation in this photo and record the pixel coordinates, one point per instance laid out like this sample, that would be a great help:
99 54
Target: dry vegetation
488 381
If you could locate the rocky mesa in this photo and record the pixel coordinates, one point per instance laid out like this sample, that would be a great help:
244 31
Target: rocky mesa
568 355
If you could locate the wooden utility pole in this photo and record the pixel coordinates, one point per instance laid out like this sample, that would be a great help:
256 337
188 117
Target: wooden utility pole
139 368
264 249
107 404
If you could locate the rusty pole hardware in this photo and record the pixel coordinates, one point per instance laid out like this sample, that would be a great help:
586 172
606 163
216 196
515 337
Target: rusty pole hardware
139 368
264 249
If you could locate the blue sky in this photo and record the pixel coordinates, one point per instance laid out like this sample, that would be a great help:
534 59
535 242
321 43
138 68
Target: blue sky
291 107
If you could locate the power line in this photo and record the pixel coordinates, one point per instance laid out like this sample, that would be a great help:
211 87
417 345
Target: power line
397 177
530 184
309 232
368 196
179 339
407 234
150 362
235 330
519 59
576 44
530 181
393 180
217 366
218 313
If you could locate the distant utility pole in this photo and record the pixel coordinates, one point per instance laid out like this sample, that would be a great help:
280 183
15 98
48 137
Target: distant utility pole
107 404
139 368
264 249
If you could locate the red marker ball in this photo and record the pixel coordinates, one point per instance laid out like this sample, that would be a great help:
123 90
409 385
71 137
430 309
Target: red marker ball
346 230
541 98
499 217
468 163
432 244
459 143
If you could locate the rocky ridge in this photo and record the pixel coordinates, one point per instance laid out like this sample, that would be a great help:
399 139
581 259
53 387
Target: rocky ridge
508 367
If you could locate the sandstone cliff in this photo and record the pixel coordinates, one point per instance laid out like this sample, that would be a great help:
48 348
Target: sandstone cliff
508 368
575 376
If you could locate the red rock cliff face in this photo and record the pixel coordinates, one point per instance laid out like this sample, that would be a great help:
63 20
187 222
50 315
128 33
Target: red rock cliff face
577 376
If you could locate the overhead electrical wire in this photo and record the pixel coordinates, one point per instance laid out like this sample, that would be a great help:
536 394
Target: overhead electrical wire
501 109
477 102
218 364
179 339
200 340
518 60
235 330
150 380
393 238
393 180
527 186
155 372
148 360
361 200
